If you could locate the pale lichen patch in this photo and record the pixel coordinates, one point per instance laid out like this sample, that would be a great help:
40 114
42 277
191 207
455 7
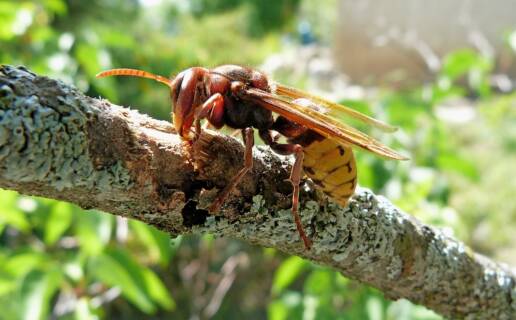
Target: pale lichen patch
50 139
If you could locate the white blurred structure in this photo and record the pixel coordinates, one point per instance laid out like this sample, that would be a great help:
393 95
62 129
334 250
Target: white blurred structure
398 40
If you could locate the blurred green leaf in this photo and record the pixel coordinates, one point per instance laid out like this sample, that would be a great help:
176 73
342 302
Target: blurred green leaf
10 213
58 222
277 310
460 62
22 263
7 283
157 242
452 161
404 310
90 58
14 18
374 308
319 282
287 272
93 229
83 310
288 306
467 62
87 56
138 283
157 290
511 40
37 289
56 6
109 270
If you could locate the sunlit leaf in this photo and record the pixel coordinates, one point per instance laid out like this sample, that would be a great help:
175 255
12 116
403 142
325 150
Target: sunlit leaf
287 272
138 283
452 161
319 282
157 290
83 311
56 6
93 229
460 62
22 263
405 310
10 213
58 221
37 289
7 283
113 273
157 242
374 308
89 57
277 310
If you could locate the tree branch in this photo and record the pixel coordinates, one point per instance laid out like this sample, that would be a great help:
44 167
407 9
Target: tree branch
57 143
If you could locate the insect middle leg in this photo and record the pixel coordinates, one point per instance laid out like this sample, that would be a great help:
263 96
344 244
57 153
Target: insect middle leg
248 135
295 177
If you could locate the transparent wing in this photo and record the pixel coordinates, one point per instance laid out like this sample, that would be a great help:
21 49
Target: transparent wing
319 122
332 106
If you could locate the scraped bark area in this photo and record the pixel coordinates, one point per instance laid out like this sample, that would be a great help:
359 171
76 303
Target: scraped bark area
57 143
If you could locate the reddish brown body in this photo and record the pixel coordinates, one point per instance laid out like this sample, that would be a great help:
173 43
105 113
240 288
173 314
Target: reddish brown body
242 98
219 96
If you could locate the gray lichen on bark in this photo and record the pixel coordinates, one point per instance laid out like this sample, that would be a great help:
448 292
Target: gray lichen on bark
46 135
58 143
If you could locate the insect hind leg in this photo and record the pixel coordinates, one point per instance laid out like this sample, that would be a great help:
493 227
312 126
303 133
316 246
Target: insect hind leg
295 177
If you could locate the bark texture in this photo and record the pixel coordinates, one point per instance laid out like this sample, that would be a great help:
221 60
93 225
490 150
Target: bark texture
57 143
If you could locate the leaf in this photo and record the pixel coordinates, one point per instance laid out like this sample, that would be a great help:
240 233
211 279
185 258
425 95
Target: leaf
22 263
453 161
146 278
287 272
511 40
277 310
405 310
460 62
374 308
319 282
7 17
83 310
111 272
58 222
10 213
157 242
89 57
36 293
138 283
157 290
56 6
93 229
7 283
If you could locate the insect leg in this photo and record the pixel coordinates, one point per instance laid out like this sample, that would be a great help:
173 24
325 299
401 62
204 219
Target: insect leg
295 177
213 110
248 135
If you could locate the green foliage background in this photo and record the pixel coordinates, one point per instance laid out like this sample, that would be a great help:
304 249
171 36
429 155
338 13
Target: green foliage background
58 261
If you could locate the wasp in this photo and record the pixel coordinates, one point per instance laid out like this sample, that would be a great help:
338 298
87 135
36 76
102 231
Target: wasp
245 99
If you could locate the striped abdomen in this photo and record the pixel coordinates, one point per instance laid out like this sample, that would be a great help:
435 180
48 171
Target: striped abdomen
332 167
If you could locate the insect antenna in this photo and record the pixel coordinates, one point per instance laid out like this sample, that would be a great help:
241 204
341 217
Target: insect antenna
135 73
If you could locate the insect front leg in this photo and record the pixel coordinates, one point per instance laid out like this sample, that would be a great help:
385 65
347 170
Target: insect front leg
295 177
248 135
213 110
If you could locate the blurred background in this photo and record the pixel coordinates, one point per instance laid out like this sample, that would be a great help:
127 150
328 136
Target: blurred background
442 71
